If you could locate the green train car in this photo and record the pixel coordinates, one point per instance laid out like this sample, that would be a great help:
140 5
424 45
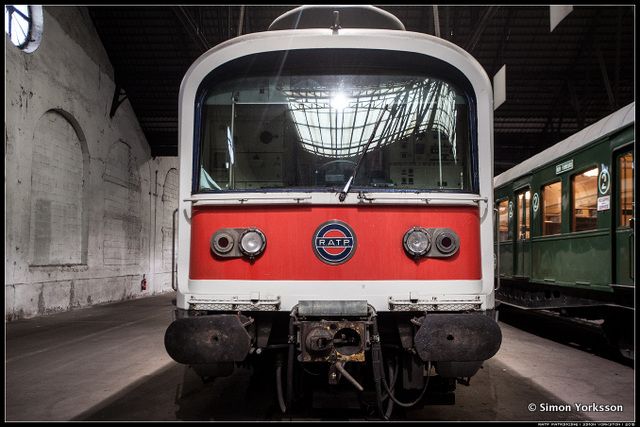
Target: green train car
565 228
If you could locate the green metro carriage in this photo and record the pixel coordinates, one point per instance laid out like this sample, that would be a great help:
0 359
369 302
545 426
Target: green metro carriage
565 228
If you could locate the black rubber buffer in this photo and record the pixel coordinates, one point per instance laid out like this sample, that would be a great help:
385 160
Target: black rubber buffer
207 339
457 337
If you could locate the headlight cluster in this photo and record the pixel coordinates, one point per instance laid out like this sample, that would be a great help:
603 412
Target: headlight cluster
417 242
252 243
238 242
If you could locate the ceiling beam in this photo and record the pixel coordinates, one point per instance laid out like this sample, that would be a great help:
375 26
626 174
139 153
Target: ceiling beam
241 20
605 77
482 25
569 76
191 27
436 21
616 84
575 103
498 60
447 22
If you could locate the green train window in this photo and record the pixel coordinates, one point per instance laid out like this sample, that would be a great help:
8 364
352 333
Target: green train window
625 166
503 220
523 226
585 201
551 208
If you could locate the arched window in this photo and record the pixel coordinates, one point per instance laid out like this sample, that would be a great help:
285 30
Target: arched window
23 24
59 176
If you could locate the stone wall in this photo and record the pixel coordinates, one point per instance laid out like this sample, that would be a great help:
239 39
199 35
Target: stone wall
87 209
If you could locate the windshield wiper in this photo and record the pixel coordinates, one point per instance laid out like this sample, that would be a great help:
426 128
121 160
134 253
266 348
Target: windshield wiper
345 190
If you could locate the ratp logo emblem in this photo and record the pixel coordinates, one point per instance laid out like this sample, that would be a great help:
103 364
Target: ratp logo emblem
334 242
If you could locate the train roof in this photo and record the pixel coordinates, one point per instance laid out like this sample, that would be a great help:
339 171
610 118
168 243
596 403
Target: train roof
601 128
322 16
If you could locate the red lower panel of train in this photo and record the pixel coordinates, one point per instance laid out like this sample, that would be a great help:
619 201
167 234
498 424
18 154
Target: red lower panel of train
378 253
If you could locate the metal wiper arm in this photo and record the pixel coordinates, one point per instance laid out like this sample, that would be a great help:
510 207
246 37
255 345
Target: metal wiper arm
347 186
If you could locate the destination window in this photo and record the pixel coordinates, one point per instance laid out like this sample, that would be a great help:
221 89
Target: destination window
551 208
584 203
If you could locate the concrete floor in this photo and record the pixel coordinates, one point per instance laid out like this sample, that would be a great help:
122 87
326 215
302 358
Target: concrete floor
109 363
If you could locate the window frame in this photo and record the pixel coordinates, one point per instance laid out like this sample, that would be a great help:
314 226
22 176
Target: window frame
509 230
442 70
572 196
542 206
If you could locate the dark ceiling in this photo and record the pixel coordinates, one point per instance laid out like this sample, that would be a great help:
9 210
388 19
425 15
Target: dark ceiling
557 82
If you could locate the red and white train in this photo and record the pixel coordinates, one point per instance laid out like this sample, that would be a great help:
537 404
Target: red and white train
335 209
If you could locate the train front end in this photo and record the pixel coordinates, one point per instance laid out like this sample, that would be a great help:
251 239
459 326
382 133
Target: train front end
334 217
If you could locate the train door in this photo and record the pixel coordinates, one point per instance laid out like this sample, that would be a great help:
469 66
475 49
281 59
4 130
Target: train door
623 223
522 255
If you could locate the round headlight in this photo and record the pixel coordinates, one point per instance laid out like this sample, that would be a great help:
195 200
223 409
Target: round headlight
447 242
252 242
416 242
222 242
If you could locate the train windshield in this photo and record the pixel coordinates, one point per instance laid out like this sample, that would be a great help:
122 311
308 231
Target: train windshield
301 121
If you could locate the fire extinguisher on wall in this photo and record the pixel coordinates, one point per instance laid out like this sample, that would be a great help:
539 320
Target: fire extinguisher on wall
143 283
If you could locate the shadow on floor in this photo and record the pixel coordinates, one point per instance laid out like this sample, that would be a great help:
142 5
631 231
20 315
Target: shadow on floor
561 330
175 393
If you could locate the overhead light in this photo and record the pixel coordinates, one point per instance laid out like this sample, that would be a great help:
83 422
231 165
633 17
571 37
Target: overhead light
339 101
417 242
252 242
330 122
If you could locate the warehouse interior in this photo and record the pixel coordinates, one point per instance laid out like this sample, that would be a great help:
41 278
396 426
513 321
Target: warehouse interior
91 126
558 81
114 90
